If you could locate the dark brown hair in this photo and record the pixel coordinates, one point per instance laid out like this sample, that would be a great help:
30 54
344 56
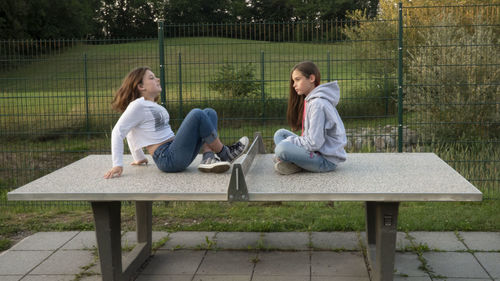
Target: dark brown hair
128 91
295 101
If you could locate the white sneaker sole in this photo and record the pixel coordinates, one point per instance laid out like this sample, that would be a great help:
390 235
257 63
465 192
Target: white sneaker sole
219 167
286 168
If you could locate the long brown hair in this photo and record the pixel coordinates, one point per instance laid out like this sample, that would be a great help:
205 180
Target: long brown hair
296 102
128 91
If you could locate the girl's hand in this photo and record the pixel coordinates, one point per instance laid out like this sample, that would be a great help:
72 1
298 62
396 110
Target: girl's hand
115 171
140 162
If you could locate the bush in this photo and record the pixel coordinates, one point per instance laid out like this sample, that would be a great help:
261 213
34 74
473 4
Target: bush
451 53
454 81
373 41
236 83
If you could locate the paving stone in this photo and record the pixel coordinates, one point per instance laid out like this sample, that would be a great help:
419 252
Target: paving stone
281 278
130 238
219 265
407 265
402 243
222 278
84 240
490 261
179 262
442 241
44 241
91 278
402 278
298 241
239 240
283 263
227 262
189 240
338 264
335 241
49 278
339 278
65 262
467 279
481 241
21 262
165 278
454 265
10 277
96 268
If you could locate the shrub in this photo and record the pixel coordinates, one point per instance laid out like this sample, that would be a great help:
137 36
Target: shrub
451 51
234 82
454 81
373 40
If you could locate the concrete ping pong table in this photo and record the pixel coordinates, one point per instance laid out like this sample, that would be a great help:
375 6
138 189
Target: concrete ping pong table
382 180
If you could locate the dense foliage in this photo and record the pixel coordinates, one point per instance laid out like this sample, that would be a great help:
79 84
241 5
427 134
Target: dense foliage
233 82
56 19
450 54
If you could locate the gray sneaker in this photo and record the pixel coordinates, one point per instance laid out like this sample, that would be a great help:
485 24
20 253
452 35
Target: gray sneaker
213 165
286 168
237 149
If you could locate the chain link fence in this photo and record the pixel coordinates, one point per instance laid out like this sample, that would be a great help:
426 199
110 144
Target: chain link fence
425 80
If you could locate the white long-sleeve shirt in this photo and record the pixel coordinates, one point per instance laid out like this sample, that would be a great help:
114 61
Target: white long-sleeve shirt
143 123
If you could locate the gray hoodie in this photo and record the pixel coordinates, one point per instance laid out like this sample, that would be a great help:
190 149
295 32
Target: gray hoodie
323 129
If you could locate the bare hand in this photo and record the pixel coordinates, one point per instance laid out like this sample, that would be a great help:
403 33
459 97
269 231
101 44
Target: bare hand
140 162
114 172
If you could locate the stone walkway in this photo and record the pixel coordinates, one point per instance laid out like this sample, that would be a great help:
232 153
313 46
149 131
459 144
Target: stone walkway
234 256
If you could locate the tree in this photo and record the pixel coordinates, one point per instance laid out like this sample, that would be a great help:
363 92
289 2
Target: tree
272 10
197 11
11 14
47 19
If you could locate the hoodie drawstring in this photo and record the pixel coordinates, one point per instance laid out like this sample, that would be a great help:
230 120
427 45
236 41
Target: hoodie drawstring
303 117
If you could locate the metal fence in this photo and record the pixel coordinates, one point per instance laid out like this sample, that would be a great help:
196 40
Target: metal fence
426 79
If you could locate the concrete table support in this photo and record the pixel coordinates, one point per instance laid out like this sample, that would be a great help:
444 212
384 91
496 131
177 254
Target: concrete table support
381 229
107 219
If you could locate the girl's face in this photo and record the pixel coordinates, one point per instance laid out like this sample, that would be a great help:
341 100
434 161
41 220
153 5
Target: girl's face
150 87
302 84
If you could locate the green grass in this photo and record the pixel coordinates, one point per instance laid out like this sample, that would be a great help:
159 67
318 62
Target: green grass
71 90
258 217
106 65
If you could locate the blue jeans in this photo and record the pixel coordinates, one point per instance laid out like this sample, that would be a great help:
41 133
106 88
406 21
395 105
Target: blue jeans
199 127
307 160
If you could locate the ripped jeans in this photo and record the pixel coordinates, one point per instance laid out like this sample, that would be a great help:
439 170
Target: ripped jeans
307 160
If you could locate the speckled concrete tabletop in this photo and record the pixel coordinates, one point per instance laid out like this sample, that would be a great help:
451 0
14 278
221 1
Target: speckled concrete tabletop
363 177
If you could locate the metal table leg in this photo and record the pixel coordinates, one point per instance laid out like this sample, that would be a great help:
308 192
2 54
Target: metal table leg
381 230
108 233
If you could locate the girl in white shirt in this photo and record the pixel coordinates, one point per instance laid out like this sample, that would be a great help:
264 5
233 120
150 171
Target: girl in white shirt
146 124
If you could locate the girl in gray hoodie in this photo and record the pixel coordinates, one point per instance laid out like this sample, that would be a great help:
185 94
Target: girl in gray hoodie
311 107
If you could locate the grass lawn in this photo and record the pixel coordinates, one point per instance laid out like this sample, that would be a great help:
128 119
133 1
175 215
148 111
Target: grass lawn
55 92
18 222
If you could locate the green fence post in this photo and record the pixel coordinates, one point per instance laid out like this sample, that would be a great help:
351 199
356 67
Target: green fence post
180 85
400 78
386 94
262 86
162 63
85 79
328 66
